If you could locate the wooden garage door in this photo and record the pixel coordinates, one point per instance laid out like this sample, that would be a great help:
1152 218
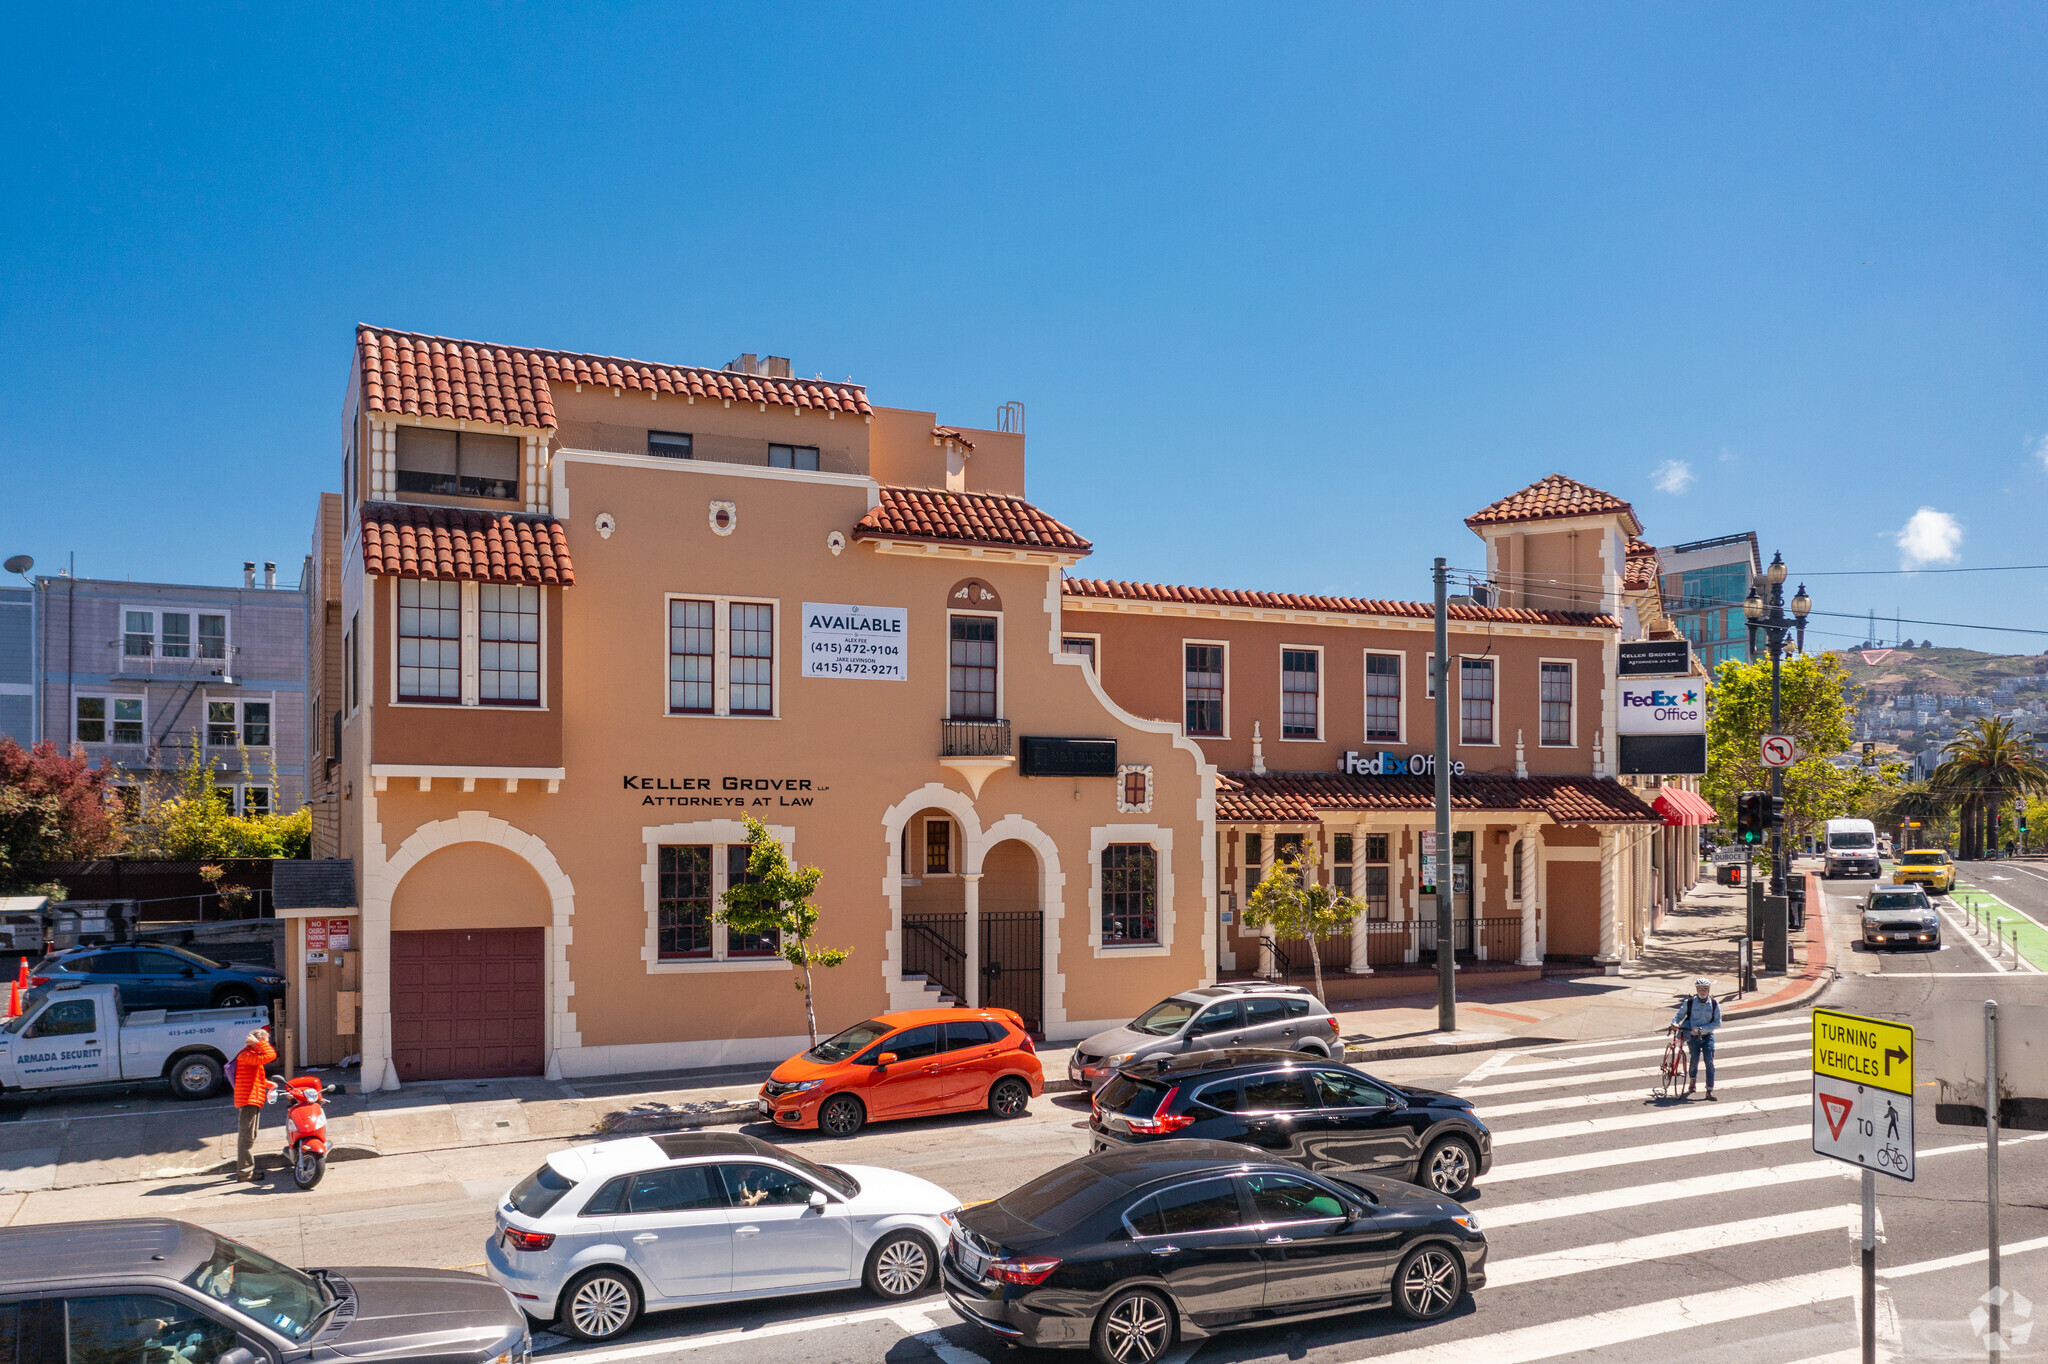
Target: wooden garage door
467 1003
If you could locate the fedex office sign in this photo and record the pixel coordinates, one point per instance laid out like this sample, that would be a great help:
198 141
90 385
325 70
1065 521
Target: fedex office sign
1384 764
1676 706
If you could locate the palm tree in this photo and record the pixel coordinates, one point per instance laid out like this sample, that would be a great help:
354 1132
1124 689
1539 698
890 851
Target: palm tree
1983 767
1916 801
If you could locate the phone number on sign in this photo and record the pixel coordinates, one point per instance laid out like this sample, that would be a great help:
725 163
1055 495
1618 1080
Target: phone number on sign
856 647
834 667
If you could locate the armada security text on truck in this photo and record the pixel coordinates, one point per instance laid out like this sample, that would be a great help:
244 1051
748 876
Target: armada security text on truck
79 1035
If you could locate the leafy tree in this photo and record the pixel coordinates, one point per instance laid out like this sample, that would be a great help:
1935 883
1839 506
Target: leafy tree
184 819
1293 904
1982 769
55 806
1816 702
777 899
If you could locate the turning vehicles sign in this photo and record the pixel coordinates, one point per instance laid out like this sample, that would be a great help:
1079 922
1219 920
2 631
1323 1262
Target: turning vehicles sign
1863 1092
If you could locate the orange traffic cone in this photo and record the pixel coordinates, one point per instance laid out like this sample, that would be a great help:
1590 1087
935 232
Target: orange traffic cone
14 1000
21 976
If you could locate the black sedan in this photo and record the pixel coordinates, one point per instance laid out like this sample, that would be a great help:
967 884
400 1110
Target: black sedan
1125 1251
1313 1113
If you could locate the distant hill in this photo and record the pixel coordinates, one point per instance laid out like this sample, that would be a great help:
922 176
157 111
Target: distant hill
1963 672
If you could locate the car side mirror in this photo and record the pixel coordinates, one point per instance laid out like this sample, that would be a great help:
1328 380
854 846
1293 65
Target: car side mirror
238 1354
887 1058
818 1199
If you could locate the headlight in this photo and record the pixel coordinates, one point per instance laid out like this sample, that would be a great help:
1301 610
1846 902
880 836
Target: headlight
1112 1062
1468 1223
1868 922
951 1219
806 1086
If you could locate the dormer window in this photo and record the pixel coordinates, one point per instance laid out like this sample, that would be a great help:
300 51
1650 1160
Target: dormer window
441 463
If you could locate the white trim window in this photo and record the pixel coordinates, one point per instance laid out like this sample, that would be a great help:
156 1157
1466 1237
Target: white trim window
1383 718
689 868
147 632
508 644
257 800
722 658
235 723
429 641
972 662
1130 895
1203 682
1301 693
103 719
1476 700
1086 646
1134 789
1554 701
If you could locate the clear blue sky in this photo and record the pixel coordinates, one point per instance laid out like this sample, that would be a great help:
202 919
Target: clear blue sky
1287 291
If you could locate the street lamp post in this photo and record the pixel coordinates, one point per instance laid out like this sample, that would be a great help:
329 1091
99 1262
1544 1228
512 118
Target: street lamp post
1767 617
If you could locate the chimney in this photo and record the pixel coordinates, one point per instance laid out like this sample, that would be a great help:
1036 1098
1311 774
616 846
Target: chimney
248 572
760 366
778 367
746 364
269 574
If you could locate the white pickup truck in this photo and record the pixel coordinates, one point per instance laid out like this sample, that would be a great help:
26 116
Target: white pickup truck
78 1035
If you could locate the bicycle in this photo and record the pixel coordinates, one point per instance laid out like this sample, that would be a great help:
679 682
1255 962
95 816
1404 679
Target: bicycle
1891 1157
1671 1075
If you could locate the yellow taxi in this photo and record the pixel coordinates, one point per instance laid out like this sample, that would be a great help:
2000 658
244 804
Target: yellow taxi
1929 867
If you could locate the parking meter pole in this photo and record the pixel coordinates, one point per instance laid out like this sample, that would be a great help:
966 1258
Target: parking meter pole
1870 1267
1992 1340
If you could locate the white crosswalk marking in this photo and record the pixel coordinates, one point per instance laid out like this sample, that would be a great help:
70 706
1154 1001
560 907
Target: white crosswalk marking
1648 1073
1788 1026
1615 1096
1651 1054
1670 1113
1664 1244
1741 1140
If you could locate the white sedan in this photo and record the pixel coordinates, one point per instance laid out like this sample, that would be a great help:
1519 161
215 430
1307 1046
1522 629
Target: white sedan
603 1232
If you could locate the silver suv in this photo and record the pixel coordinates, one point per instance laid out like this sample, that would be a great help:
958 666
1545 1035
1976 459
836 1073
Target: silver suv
1252 1013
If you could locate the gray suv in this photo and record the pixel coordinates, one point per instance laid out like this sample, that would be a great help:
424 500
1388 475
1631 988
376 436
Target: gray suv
1251 1013
151 1289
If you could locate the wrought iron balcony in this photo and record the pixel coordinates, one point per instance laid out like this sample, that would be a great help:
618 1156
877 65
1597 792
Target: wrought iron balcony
974 739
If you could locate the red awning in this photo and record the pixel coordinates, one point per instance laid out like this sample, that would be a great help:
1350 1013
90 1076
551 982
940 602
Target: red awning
1682 807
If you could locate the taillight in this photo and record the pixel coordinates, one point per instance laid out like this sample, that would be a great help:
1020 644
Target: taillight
1028 1046
1161 1121
515 1239
39 980
1027 1272
1333 1025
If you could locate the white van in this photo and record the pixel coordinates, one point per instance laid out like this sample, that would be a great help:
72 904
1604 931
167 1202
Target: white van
1850 849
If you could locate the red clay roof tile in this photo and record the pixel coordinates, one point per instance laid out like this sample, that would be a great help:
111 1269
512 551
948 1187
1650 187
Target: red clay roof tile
966 518
1290 601
408 374
943 433
1295 797
1551 498
460 544
1640 575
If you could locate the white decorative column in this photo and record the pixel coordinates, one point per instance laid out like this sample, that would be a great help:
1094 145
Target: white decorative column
971 881
1532 882
1610 903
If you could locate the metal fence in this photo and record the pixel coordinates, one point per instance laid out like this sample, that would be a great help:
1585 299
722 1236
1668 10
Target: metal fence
974 738
1415 940
935 947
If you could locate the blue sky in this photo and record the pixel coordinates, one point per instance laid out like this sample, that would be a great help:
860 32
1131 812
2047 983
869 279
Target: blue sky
1287 291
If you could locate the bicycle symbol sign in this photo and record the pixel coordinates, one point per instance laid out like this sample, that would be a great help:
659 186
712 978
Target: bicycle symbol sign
1863 1126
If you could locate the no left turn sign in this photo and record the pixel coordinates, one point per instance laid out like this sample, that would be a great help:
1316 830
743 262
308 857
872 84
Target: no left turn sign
1777 750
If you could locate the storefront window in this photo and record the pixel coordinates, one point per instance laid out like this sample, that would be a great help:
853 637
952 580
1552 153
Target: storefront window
1340 863
685 929
1374 882
971 689
1205 689
1475 700
1130 894
1300 694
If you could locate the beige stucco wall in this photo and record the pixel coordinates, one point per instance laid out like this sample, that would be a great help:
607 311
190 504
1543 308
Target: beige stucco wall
470 885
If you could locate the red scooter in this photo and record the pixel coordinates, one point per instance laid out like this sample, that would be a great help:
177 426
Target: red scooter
305 1138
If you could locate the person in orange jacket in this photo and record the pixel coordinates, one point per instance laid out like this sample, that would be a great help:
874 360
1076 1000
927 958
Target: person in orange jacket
252 1091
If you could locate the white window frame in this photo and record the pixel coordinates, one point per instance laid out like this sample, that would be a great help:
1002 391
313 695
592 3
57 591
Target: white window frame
1161 839
242 797
1002 663
1065 635
110 697
1573 664
1401 700
1322 690
718 834
721 657
1224 645
155 612
1457 713
469 695
239 702
1123 805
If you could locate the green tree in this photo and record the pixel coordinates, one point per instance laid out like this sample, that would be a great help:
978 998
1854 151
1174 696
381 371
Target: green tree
777 899
1291 902
184 819
1816 703
1983 769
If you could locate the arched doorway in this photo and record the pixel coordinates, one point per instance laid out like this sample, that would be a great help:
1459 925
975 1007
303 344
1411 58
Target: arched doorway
468 966
1011 932
933 852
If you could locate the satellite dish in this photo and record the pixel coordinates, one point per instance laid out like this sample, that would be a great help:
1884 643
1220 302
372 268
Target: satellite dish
20 563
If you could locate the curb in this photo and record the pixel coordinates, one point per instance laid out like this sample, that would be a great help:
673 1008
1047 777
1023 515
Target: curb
1820 969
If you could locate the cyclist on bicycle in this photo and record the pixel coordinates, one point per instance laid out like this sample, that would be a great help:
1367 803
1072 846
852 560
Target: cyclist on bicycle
1697 1018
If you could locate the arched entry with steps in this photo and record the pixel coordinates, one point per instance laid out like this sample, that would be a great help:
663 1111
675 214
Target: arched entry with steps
1010 933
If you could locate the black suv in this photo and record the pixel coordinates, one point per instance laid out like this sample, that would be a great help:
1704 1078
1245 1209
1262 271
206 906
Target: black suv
1313 1113
155 1289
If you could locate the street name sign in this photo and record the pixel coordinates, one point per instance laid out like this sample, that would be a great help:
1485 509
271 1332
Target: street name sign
1778 750
1863 1092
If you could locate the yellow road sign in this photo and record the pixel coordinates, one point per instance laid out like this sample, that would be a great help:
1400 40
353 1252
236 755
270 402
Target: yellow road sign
1868 1051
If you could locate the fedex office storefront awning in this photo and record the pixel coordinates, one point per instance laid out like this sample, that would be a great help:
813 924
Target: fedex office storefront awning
1681 807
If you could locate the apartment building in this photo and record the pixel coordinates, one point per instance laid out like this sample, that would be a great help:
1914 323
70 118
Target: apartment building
17 665
1705 582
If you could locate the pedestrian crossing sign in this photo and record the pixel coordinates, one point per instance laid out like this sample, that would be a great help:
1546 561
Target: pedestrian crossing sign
1863 1051
1863 1126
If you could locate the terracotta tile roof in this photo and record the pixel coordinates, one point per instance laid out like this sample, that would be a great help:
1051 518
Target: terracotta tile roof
966 518
1291 601
459 544
1640 574
1551 498
433 376
944 433
1295 797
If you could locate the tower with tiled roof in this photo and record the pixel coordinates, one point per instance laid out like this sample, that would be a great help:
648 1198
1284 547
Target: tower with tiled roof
1559 545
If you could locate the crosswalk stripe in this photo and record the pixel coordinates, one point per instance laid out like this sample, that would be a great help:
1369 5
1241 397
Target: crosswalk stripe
1785 1025
1665 1244
1649 1073
1520 1067
1617 1096
1688 1112
1636 1155
1602 1330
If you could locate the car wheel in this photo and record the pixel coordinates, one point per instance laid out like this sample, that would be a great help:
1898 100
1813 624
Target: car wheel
234 999
1449 1166
900 1266
1009 1097
196 1077
842 1116
600 1304
1311 1049
1429 1282
1135 1328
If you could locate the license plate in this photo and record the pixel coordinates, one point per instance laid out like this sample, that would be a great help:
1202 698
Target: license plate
972 1260
766 1109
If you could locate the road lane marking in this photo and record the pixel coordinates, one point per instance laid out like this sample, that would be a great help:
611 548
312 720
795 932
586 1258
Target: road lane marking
1604 1330
1640 1093
1636 1155
1770 1025
1696 1186
1636 1053
1648 1073
1960 920
1664 1245
1688 1112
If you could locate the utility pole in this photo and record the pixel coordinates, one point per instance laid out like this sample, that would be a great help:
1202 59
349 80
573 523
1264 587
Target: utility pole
1446 965
1767 615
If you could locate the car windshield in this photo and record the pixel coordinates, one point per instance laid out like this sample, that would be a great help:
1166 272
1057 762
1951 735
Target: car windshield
1852 838
1894 900
838 1181
1925 859
1059 1199
260 1288
539 1191
850 1042
1165 1018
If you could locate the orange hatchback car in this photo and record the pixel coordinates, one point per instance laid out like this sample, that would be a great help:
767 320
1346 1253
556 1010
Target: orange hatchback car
907 1065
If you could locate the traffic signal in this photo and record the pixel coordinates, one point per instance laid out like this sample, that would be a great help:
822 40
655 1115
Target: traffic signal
1773 809
1749 818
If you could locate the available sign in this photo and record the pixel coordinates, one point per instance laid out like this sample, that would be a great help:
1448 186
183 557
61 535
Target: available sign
1863 1092
868 642
1661 708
